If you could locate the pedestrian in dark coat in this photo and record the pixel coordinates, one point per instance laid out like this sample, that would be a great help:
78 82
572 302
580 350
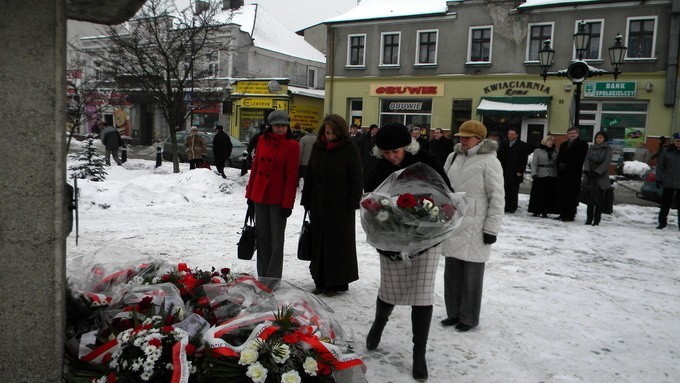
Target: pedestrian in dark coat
596 176
570 159
111 139
668 177
271 190
513 156
417 134
441 146
366 144
222 148
332 191
544 176
402 283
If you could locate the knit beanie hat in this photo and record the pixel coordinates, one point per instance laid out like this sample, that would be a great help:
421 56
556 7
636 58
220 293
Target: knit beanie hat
278 117
392 136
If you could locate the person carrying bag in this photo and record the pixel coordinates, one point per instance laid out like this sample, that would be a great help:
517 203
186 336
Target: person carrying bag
305 240
248 242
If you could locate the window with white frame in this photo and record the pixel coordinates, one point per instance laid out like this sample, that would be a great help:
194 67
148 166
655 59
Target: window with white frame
594 48
356 48
641 37
480 44
389 52
311 77
538 33
427 47
213 64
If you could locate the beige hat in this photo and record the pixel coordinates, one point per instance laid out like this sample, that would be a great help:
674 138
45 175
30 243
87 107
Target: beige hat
472 128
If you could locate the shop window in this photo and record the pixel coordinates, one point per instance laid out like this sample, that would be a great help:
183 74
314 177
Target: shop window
480 44
594 48
410 112
538 33
640 38
427 47
462 111
356 45
389 53
355 108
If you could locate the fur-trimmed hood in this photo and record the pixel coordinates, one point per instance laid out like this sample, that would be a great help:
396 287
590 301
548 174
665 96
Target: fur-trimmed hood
485 146
412 148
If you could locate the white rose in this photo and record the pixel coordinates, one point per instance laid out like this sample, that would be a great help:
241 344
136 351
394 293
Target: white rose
427 204
384 202
257 372
281 354
290 377
311 366
382 216
248 356
435 211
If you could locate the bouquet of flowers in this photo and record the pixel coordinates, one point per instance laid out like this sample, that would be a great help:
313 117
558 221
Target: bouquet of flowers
153 322
411 211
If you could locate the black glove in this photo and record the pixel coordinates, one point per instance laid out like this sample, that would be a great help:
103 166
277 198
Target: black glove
251 204
489 239
593 174
658 184
286 212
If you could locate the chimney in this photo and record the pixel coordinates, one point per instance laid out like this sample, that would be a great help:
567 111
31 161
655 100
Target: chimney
231 4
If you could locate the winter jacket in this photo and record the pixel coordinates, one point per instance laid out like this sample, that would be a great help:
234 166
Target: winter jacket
480 175
274 173
598 158
332 191
368 160
110 138
195 146
543 162
441 148
668 168
513 160
306 144
222 146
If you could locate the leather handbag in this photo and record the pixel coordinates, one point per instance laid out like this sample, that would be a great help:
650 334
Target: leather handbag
305 241
248 241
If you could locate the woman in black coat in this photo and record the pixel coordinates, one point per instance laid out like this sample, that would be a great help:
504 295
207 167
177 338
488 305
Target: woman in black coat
332 191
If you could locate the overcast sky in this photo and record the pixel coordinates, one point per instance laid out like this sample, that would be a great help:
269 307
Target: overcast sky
298 14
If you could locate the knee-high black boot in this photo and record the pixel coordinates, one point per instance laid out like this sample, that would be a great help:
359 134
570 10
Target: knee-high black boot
383 310
421 316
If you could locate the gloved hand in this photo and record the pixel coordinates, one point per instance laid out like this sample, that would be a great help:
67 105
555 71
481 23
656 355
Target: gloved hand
593 174
251 204
286 212
489 239
659 184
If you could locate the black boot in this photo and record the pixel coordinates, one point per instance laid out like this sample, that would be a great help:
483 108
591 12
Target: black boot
383 311
421 316
589 214
597 216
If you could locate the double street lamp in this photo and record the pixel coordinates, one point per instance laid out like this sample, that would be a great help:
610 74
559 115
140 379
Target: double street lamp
579 71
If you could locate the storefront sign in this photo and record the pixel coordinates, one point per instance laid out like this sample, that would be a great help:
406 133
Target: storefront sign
610 89
517 88
257 103
258 87
406 106
402 90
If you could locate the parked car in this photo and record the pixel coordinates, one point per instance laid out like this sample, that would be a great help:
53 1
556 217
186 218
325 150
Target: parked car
649 191
235 159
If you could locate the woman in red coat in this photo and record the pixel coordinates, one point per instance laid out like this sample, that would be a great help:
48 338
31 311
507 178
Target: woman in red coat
271 189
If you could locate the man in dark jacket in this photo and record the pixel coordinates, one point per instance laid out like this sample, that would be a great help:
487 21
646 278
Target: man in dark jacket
441 146
417 134
366 145
569 167
513 156
668 177
111 140
222 148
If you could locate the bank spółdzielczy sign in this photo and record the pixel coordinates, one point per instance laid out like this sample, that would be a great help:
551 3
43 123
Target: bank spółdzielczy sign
610 89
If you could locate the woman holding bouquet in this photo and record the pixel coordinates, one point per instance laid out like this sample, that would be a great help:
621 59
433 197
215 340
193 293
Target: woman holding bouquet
404 283
332 191
473 168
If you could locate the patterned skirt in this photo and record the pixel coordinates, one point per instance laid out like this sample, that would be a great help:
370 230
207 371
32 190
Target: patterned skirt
409 283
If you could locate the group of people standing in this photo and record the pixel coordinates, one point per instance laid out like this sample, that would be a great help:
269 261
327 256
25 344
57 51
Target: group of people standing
334 182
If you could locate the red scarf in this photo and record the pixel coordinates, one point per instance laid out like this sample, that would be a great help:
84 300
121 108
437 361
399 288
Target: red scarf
330 145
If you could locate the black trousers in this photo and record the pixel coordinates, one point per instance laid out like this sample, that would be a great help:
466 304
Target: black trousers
511 195
219 165
271 228
193 164
667 197
463 283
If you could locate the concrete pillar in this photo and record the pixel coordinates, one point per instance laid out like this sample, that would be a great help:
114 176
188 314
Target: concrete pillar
32 176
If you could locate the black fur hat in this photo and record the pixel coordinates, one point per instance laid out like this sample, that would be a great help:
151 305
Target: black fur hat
392 136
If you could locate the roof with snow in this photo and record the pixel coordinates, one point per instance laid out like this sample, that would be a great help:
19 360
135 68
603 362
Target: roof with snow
271 34
549 3
384 9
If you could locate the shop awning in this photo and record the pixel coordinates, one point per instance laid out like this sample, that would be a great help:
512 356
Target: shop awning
513 106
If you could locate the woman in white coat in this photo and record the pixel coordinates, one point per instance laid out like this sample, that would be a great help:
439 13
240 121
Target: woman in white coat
472 168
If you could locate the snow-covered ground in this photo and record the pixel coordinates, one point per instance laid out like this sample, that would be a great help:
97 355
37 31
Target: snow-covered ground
563 302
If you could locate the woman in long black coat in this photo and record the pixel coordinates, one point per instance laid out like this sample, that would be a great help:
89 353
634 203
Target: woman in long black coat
332 191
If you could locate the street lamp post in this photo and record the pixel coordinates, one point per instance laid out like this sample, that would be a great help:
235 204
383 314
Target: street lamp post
579 71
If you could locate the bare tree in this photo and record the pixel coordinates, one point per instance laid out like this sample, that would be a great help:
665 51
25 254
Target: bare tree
159 53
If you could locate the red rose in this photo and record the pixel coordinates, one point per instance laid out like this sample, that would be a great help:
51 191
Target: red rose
225 270
203 301
190 349
370 204
144 304
183 267
291 338
155 342
167 328
449 210
407 201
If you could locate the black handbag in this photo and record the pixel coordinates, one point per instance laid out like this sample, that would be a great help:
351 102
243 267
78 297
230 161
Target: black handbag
248 242
305 241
